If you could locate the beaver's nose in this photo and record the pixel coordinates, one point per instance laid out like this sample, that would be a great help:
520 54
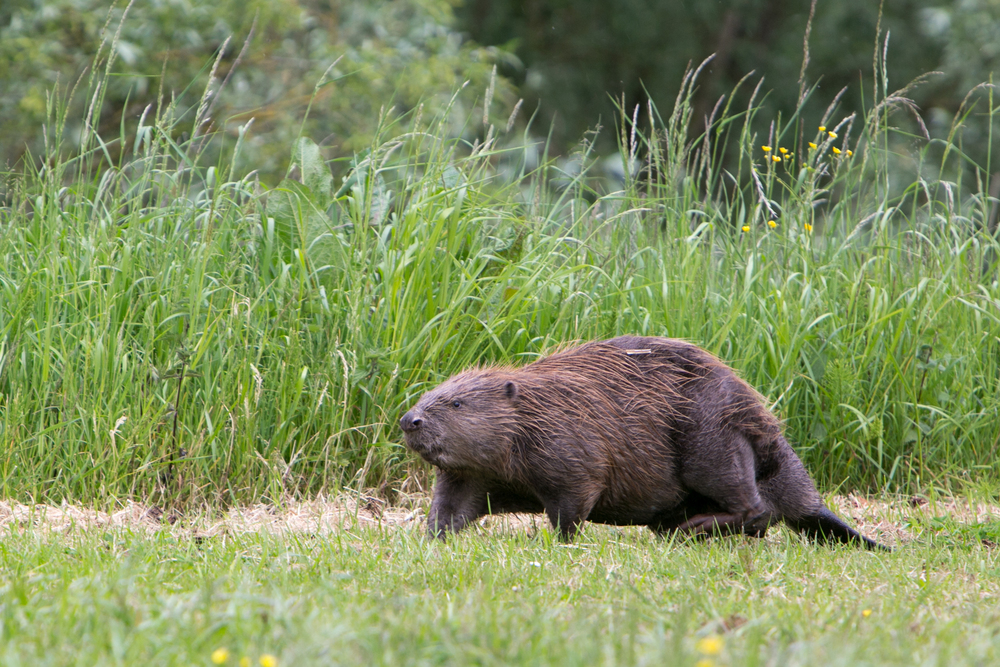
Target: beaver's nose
410 422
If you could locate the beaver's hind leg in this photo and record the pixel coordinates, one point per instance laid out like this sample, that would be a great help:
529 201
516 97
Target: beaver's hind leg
720 466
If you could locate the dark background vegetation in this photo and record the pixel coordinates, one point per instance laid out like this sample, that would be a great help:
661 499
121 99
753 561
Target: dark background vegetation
572 62
577 55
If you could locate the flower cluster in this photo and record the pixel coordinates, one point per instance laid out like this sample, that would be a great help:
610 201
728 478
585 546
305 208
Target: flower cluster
813 145
770 223
820 149
775 158
220 656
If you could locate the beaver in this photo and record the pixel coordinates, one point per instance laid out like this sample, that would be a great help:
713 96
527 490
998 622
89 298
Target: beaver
627 431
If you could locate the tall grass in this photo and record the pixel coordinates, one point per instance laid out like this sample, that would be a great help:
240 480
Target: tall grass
173 330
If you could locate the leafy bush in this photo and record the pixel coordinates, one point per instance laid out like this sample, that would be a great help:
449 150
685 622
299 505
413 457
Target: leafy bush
355 62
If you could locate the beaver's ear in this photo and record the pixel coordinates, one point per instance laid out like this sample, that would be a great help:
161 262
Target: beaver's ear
510 390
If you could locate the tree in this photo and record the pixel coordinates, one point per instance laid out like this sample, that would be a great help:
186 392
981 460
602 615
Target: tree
372 58
580 56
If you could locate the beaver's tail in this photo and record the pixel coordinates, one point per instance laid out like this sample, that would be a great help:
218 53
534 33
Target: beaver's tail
826 526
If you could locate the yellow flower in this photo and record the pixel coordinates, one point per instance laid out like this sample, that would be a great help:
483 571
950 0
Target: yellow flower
809 227
745 228
220 656
772 224
782 150
766 149
244 662
710 645
822 128
850 153
836 151
866 613
832 135
268 660
776 158
812 145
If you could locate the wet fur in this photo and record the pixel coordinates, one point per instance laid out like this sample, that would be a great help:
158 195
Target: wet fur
671 439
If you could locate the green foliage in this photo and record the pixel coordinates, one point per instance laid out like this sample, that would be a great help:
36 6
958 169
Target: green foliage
350 63
968 31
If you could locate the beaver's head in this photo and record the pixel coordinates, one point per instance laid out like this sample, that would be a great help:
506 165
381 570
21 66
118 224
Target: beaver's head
467 422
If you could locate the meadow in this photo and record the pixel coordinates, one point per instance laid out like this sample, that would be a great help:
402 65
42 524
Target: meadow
368 588
179 333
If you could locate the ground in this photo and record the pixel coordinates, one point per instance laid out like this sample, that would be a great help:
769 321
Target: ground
886 520
350 581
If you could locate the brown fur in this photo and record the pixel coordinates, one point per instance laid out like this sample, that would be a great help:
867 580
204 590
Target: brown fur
648 431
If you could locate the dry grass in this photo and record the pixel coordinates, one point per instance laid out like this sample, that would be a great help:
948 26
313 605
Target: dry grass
893 521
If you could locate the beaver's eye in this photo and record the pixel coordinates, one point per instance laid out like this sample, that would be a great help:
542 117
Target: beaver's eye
456 404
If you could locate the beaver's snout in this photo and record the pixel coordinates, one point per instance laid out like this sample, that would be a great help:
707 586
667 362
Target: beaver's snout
410 422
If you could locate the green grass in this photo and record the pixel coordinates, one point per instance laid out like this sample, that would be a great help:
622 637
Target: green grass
172 330
502 596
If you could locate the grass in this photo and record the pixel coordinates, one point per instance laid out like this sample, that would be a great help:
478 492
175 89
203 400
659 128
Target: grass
499 595
173 330
180 334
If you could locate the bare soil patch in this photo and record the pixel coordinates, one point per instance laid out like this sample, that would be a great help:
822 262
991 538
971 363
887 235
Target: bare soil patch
890 521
